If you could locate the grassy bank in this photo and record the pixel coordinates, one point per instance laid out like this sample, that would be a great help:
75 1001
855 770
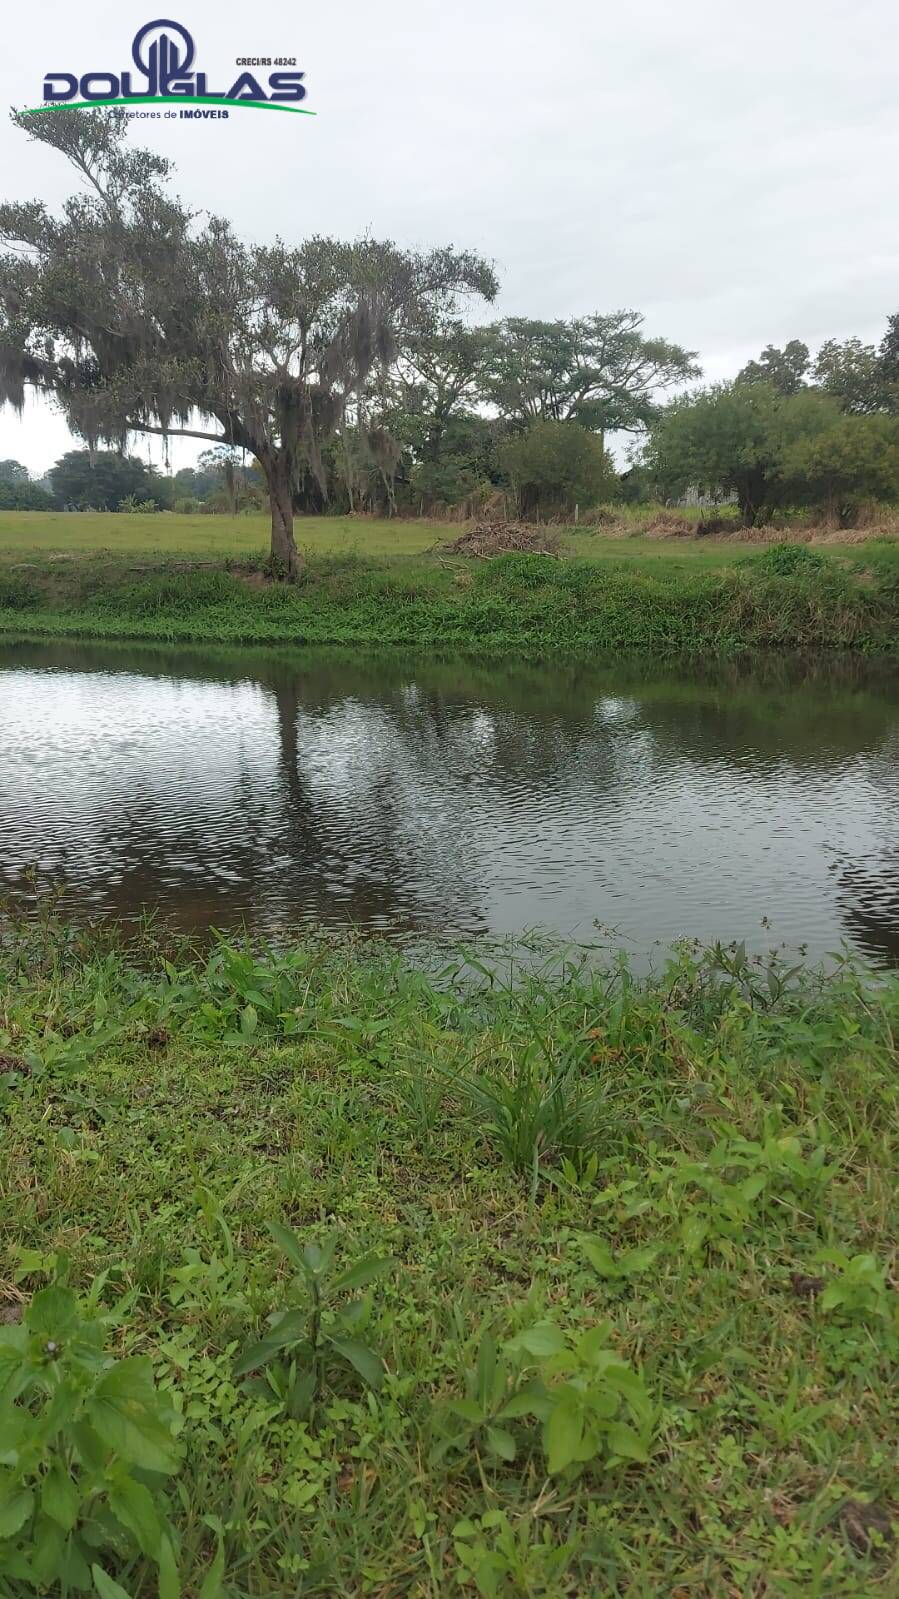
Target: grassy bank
633 1329
635 533
698 598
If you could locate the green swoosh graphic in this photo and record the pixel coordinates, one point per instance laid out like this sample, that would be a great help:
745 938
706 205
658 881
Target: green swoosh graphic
166 99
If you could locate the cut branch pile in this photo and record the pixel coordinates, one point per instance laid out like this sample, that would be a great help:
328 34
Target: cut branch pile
506 538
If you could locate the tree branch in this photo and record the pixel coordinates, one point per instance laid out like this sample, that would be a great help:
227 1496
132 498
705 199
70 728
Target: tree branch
181 433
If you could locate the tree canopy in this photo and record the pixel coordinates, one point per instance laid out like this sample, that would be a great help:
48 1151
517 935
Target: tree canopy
440 375
784 370
862 378
854 374
600 371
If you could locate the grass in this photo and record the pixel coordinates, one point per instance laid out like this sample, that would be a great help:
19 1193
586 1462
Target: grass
696 1169
31 535
628 595
39 533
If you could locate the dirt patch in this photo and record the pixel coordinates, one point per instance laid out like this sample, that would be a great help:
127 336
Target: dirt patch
602 528
506 538
866 1524
768 534
13 1063
805 1287
667 525
252 577
714 527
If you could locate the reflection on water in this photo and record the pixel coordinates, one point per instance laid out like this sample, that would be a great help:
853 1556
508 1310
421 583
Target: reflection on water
431 797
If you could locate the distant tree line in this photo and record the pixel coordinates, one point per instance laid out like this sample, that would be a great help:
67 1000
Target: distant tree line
349 377
108 480
19 491
522 408
789 433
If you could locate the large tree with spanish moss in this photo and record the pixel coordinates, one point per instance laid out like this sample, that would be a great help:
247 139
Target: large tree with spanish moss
139 316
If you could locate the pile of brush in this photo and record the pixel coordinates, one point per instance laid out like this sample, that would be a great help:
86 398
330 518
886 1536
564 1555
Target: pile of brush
506 538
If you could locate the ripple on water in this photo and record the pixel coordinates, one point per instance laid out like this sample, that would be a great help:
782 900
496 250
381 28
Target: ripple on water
412 799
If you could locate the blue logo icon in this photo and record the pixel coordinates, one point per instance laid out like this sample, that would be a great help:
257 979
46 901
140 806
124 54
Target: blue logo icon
163 53
160 60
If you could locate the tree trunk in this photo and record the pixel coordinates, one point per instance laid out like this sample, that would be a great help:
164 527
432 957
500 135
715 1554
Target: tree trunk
286 560
231 486
752 493
434 438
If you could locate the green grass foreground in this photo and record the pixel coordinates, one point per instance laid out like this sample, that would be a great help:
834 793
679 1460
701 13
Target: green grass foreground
29 535
635 1329
378 583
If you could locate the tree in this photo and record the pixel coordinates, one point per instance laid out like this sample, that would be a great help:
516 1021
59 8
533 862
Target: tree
863 379
636 484
731 438
228 481
466 461
99 481
888 358
21 494
191 483
554 466
139 317
784 370
600 371
13 472
718 442
441 373
772 450
853 459
853 374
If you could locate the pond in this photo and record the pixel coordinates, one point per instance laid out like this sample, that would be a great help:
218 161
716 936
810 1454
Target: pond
626 803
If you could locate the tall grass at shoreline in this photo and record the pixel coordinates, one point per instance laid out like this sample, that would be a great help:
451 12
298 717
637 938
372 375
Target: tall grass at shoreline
782 597
562 1170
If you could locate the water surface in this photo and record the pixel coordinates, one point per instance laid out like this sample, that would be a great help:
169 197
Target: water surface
420 797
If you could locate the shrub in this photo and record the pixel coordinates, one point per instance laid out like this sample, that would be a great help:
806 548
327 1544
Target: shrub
138 507
17 593
180 594
555 466
318 1328
784 560
854 459
86 1440
518 571
590 1402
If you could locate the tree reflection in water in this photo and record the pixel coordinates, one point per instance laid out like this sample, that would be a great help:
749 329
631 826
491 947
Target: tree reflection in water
425 797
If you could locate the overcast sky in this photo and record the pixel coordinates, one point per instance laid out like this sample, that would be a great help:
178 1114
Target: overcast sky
729 170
